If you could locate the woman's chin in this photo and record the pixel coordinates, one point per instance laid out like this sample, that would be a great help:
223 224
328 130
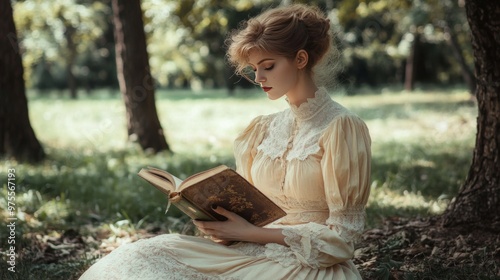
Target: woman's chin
272 96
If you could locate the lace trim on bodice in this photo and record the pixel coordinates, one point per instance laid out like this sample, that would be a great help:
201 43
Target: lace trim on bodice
312 118
304 217
302 211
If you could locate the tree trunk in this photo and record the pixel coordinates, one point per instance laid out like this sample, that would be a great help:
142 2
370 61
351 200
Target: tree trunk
478 202
17 138
71 58
136 83
411 63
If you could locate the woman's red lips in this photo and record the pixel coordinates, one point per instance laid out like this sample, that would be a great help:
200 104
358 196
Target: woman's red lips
266 89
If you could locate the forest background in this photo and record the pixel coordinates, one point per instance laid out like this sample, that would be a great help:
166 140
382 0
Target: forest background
70 44
407 71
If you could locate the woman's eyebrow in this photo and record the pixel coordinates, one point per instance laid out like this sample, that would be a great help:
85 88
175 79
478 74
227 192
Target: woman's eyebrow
265 59
262 60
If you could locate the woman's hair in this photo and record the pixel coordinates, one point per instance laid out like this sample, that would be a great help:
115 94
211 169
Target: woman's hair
282 31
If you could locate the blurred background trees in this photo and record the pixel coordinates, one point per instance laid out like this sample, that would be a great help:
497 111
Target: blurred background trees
60 40
70 44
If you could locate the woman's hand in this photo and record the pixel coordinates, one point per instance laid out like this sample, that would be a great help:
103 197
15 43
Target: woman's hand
238 229
234 229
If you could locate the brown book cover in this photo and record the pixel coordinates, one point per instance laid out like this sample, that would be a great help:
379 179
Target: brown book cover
220 186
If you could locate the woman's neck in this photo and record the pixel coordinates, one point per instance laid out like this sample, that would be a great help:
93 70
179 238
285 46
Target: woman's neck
305 88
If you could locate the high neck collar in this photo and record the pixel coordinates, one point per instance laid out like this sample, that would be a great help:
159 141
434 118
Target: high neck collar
312 106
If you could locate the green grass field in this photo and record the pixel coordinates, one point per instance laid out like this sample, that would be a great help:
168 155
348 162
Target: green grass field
422 145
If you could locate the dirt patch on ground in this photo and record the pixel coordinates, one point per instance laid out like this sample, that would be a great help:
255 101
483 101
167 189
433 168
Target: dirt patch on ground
422 249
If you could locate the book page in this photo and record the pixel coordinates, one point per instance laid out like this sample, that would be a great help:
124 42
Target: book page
198 177
161 179
177 182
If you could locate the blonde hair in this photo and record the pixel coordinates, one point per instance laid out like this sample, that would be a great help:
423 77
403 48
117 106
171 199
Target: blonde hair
282 31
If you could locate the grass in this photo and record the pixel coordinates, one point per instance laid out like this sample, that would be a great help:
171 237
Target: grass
422 145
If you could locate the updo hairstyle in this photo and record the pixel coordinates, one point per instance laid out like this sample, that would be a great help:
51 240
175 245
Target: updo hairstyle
281 31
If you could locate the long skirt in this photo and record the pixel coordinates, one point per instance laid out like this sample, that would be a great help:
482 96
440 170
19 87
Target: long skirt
174 256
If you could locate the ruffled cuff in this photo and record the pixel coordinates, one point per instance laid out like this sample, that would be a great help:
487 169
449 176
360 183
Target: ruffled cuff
281 254
311 245
348 223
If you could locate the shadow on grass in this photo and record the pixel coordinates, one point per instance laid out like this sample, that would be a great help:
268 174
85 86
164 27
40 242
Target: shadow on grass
430 169
75 187
74 190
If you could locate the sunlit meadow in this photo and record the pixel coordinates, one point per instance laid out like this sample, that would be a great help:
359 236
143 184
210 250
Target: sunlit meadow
422 145
421 142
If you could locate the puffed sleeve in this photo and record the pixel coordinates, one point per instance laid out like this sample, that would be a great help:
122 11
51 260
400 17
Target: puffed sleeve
245 145
346 174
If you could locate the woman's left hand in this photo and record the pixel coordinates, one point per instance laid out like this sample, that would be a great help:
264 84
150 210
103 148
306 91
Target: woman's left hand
235 228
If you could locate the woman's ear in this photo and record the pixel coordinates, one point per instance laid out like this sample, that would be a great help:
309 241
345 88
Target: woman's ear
301 59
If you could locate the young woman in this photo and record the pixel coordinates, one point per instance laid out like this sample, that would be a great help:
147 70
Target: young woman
312 159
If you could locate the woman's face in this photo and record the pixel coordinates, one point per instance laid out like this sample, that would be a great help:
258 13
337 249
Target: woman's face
277 75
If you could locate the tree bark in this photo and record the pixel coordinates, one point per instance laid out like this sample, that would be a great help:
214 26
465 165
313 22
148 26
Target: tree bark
411 63
136 83
71 58
17 138
478 202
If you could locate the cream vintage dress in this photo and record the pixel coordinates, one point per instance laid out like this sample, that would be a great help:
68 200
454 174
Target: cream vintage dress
313 161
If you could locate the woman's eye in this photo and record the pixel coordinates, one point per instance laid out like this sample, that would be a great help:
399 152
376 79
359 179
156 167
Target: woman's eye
269 68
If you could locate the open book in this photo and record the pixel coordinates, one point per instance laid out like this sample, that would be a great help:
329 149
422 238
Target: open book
219 186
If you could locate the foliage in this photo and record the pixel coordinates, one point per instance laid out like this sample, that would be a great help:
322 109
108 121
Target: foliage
50 31
194 53
186 40
377 36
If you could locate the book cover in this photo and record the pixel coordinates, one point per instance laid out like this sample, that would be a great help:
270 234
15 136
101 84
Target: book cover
220 186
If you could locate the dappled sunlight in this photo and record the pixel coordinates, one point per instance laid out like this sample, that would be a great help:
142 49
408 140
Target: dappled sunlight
385 203
94 124
83 198
202 126
407 201
198 128
422 146
416 138
416 116
87 186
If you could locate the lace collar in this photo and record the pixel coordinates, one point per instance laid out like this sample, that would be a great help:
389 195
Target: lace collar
313 117
312 106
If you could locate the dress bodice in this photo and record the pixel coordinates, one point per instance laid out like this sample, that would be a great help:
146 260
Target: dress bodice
301 159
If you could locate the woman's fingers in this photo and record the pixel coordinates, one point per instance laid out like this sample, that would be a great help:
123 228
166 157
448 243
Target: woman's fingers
233 229
226 213
231 216
214 233
208 228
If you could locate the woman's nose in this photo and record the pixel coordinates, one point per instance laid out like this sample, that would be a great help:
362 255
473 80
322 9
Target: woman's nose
259 78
